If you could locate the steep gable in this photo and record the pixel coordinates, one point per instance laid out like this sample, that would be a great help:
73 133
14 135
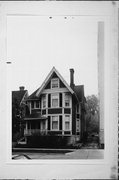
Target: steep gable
46 84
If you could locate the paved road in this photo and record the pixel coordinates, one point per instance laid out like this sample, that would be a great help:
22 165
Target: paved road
75 154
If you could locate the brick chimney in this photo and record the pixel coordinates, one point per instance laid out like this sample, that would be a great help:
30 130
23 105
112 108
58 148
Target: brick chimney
21 88
72 78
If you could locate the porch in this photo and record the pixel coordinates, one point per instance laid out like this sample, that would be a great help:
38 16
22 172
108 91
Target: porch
42 132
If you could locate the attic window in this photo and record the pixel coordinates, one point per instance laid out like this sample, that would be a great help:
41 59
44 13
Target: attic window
55 83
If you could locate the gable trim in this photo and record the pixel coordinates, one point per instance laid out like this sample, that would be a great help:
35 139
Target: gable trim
47 78
23 98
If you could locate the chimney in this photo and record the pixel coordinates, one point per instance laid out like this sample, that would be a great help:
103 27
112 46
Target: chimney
72 78
21 88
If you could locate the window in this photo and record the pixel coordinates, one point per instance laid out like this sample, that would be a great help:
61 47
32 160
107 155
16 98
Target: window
67 100
44 101
78 125
54 83
55 123
67 122
43 125
77 108
32 104
55 100
37 104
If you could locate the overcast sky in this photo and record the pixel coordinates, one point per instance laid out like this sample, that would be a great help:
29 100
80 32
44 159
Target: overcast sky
37 43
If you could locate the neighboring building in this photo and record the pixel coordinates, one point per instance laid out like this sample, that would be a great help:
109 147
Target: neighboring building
57 112
18 112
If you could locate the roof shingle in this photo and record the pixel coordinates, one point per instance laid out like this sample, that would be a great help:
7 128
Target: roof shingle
18 95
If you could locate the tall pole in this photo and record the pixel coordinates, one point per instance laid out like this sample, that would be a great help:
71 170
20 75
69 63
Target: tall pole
101 81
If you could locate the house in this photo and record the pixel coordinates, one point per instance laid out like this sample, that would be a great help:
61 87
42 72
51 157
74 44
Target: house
56 113
18 112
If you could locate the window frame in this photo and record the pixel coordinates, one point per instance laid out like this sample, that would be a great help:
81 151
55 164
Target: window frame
67 121
67 94
38 104
43 101
52 83
52 123
52 100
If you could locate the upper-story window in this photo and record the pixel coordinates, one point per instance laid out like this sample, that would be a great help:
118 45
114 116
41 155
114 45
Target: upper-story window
55 100
78 109
67 100
77 124
44 101
37 104
67 122
32 104
54 83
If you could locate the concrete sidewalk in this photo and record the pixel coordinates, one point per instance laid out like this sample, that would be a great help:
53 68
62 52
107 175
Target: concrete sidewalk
73 154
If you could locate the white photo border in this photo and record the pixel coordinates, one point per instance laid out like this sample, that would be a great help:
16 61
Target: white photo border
93 169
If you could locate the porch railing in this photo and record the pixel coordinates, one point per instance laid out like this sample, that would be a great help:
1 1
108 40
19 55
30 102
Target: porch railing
35 131
30 132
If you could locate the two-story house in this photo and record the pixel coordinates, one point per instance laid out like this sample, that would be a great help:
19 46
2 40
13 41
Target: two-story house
57 112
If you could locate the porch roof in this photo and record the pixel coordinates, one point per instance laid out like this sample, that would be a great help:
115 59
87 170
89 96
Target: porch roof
36 116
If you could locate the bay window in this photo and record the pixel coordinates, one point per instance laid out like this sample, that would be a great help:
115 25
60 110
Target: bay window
55 123
55 100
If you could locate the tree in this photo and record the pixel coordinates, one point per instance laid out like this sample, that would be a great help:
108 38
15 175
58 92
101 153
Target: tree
18 114
92 115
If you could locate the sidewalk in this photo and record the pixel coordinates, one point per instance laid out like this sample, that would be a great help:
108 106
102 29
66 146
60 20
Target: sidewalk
61 154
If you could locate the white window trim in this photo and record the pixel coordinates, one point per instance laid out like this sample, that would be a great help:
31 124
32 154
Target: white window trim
52 99
35 105
69 100
52 83
54 115
46 102
67 121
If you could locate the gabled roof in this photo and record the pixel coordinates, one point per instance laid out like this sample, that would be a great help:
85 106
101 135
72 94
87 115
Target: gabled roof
37 93
33 95
18 96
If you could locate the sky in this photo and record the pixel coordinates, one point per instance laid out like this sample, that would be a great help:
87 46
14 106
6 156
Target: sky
37 43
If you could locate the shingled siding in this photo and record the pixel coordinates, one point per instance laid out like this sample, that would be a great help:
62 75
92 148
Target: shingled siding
55 111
